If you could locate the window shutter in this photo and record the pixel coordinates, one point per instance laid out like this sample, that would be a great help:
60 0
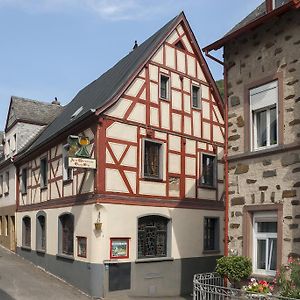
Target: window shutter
264 95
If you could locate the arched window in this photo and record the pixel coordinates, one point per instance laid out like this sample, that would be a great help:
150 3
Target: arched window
26 232
41 231
66 234
152 236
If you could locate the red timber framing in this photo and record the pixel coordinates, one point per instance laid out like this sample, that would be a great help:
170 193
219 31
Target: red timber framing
185 123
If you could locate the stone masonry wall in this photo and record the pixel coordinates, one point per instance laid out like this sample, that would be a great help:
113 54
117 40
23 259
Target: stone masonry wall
272 178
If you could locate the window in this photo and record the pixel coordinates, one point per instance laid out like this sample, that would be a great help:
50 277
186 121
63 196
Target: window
67 172
196 99
6 183
152 236
1 223
263 102
265 243
66 234
26 232
1 185
81 246
211 234
179 45
6 225
24 181
152 159
164 87
14 145
208 174
41 231
44 172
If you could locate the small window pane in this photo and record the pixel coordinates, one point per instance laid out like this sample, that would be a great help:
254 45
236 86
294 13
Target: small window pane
211 233
164 87
267 227
208 170
273 126
261 119
44 172
152 159
261 254
272 254
195 95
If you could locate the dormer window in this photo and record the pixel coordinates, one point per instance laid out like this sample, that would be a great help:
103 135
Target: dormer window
179 45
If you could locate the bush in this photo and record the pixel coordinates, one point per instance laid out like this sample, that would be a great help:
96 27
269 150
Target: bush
288 279
235 268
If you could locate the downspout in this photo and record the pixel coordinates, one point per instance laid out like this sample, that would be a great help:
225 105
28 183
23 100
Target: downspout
225 149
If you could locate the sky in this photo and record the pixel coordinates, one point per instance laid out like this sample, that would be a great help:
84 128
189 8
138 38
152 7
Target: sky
53 48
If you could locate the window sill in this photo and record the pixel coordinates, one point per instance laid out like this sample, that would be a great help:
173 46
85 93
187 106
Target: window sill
43 188
65 256
6 193
211 252
40 251
23 193
203 186
153 259
164 99
67 181
26 248
153 179
197 108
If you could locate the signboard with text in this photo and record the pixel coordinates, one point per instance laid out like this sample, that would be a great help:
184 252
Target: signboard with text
80 162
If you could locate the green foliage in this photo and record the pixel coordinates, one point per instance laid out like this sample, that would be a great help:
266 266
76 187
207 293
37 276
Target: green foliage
288 279
235 268
220 85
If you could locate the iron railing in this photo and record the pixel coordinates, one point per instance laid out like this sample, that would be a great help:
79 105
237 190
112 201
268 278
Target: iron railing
210 286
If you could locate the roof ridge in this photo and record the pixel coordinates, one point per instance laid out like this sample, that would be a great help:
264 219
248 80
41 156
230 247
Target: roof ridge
17 98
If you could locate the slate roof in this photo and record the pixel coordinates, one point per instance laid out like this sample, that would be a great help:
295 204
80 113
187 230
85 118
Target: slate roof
32 111
260 11
105 88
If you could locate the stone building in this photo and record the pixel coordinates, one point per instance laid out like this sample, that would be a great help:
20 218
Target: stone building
145 211
262 71
25 120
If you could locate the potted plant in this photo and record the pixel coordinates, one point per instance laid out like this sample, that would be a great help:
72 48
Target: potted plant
236 269
258 288
288 279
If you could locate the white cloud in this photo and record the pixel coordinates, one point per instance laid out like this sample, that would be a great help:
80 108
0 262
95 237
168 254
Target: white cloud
113 10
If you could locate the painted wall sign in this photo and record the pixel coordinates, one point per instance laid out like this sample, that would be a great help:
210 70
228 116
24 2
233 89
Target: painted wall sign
79 162
119 247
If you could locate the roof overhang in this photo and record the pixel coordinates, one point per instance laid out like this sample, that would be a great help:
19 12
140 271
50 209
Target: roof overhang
293 4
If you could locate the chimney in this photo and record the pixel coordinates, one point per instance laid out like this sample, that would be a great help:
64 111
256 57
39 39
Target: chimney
269 5
55 101
135 45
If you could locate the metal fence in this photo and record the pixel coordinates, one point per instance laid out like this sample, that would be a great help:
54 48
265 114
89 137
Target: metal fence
210 286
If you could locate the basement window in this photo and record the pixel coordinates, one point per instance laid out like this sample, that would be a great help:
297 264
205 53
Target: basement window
26 232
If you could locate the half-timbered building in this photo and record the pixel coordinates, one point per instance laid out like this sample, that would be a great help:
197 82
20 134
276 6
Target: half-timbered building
151 214
25 119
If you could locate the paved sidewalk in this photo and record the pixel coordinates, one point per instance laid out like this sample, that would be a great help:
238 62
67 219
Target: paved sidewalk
21 280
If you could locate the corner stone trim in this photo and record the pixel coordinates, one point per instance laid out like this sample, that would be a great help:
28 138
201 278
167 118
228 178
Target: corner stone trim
269 173
288 193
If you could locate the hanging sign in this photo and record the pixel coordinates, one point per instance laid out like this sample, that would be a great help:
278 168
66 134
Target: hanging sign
78 154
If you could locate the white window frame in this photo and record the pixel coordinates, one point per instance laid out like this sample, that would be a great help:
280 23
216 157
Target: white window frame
215 170
6 183
24 184
271 217
199 96
167 88
44 183
253 121
161 159
1 185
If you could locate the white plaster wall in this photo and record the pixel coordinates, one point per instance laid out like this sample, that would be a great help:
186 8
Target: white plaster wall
10 197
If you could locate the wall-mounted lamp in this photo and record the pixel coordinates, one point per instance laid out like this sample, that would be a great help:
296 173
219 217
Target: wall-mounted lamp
98 224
